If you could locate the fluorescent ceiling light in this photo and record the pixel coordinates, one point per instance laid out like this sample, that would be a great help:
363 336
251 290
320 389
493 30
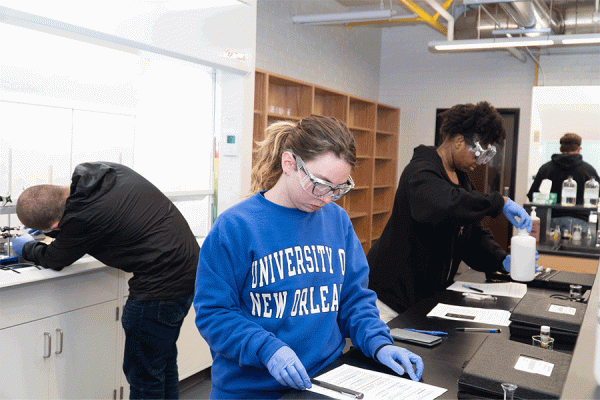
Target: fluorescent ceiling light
342 18
489 44
581 39
499 43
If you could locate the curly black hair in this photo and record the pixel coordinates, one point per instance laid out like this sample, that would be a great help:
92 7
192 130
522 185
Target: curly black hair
474 122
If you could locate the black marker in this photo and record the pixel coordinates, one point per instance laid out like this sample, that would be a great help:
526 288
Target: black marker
356 395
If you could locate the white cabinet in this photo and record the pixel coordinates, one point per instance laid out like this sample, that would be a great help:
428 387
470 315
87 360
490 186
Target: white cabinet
58 336
193 353
24 372
63 356
86 365
61 335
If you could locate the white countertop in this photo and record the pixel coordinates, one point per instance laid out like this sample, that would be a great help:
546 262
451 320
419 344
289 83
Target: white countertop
32 274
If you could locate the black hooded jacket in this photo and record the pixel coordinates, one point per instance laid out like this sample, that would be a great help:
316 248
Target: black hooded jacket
435 224
118 217
560 168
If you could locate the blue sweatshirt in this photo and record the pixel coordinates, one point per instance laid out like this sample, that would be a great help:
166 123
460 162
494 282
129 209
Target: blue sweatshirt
270 276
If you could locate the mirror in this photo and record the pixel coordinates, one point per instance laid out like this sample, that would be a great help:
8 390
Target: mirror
557 110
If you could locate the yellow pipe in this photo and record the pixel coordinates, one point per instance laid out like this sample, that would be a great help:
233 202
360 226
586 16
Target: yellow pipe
445 6
426 17
422 16
537 65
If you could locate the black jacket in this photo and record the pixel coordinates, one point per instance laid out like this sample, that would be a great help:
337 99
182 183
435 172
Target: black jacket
560 168
117 216
434 225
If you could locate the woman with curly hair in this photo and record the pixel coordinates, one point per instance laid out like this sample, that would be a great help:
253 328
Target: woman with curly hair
436 218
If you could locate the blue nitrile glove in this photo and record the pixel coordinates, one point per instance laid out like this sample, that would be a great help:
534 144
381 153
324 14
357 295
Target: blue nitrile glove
392 356
506 262
512 210
34 232
19 241
286 367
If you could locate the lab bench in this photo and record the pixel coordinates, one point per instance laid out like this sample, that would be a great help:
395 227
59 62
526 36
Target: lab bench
445 362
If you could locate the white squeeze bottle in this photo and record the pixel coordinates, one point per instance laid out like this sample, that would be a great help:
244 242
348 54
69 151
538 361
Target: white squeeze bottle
522 257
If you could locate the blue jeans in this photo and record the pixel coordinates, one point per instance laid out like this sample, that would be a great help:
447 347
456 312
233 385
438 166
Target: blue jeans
150 357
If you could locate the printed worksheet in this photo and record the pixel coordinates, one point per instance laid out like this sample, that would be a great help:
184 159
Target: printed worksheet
508 289
375 385
471 314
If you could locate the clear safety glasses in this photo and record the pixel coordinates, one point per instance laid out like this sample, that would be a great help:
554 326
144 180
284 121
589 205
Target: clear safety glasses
483 156
318 187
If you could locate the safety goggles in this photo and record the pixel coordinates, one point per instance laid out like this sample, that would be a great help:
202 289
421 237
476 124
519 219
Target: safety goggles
483 156
318 187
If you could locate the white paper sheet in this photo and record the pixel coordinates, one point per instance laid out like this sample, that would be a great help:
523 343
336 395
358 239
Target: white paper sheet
508 289
471 314
375 385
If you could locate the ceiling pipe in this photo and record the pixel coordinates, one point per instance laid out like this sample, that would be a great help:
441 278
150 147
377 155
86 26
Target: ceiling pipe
517 54
531 14
449 18
343 18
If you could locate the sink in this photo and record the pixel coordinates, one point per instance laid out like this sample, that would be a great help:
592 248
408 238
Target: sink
579 249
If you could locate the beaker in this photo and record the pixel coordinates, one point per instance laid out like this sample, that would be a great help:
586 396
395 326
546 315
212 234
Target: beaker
509 390
544 343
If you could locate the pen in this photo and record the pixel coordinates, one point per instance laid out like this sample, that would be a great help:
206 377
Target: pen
356 395
474 288
478 330
435 333
477 296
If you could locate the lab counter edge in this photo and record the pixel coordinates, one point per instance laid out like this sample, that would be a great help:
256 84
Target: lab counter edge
580 382
31 274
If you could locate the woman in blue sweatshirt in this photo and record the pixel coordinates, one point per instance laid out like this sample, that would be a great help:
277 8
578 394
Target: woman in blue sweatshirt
282 277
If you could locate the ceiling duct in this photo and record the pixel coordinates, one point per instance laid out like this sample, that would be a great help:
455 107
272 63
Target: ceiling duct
530 14
492 19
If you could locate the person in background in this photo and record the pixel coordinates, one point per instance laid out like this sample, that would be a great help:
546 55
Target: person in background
115 215
282 276
568 163
436 218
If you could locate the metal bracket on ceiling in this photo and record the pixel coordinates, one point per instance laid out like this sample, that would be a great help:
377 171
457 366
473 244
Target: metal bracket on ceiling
421 15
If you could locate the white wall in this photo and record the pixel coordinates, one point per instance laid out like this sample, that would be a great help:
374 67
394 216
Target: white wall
570 70
418 82
333 56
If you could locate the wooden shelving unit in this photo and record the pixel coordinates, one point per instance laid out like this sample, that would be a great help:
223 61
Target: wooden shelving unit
375 127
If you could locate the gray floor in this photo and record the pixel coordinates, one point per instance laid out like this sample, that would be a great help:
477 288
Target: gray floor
196 386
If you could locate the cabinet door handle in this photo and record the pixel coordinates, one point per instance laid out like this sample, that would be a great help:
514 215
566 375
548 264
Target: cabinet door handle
59 339
47 344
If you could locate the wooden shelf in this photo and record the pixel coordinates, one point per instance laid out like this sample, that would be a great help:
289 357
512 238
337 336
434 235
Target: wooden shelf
383 211
375 128
354 214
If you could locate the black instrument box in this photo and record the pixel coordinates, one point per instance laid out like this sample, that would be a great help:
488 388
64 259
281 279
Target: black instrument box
538 373
564 317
